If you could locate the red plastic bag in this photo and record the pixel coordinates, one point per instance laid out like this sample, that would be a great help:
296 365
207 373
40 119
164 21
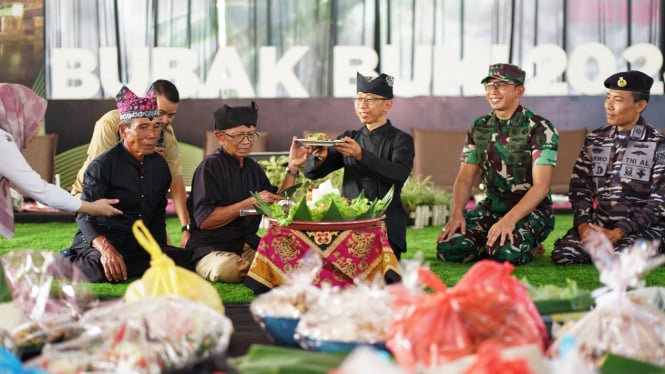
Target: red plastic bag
430 329
495 278
490 362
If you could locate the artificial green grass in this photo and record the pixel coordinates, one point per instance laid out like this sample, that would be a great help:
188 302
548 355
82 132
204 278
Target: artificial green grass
56 236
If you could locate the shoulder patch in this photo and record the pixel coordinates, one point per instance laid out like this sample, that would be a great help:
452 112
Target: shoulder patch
660 155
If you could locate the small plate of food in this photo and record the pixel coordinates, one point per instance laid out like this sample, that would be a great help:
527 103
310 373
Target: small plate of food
318 139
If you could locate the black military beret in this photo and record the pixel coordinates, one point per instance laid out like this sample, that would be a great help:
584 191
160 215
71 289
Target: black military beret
227 117
629 81
381 85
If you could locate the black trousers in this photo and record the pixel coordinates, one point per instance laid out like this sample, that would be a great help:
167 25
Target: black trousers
87 260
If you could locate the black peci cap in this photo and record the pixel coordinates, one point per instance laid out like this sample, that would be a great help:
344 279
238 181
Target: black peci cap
227 117
381 85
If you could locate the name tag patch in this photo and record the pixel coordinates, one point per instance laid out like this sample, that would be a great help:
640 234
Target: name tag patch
600 158
638 160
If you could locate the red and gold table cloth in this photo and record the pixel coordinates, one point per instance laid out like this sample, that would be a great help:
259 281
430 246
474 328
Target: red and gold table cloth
347 254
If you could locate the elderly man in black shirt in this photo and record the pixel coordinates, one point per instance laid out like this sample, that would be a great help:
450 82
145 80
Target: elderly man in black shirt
104 248
223 242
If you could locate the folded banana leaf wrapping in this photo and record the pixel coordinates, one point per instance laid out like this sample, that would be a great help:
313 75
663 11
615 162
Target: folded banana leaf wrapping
329 208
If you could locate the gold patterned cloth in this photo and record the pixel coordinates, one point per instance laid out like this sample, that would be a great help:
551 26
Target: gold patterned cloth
347 254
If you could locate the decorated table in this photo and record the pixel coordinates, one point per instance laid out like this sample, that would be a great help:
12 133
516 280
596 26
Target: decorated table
349 249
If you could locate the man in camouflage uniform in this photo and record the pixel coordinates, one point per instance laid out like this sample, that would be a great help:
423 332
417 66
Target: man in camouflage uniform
620 169
515 151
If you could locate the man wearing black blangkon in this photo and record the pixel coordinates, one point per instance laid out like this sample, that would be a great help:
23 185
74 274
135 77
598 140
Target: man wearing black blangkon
375 157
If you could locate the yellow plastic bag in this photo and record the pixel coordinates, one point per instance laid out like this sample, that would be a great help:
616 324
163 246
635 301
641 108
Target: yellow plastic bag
165 278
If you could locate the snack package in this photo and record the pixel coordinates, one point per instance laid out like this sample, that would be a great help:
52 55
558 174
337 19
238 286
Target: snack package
295 296
52 296
278 311
150 335
46 291
431 329
165 278
618 324
358 315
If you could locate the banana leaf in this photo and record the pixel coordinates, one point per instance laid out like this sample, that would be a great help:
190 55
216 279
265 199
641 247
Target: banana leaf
261 206
369 213
5 294
265 359
302 212
384 202
335 215
616 364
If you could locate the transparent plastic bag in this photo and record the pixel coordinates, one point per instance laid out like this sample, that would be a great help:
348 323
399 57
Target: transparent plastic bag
357 315
52 296
165 278
149 335
278 311
46 291
618 324
295 295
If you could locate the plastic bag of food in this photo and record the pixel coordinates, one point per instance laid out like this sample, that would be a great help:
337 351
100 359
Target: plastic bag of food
433 328
344 318
150 335
278 311
508 314
165 278
46 291
295 295
618 324
52 296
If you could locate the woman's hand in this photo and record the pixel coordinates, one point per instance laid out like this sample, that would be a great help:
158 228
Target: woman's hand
101 207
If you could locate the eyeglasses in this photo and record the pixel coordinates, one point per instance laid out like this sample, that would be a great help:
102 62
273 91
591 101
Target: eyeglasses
238 138
371 101
498 85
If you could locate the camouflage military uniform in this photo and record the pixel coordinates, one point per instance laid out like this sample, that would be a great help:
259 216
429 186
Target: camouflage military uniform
625 173
506 151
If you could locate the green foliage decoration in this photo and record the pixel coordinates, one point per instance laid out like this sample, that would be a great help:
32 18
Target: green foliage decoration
329 208
419 191
275 168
